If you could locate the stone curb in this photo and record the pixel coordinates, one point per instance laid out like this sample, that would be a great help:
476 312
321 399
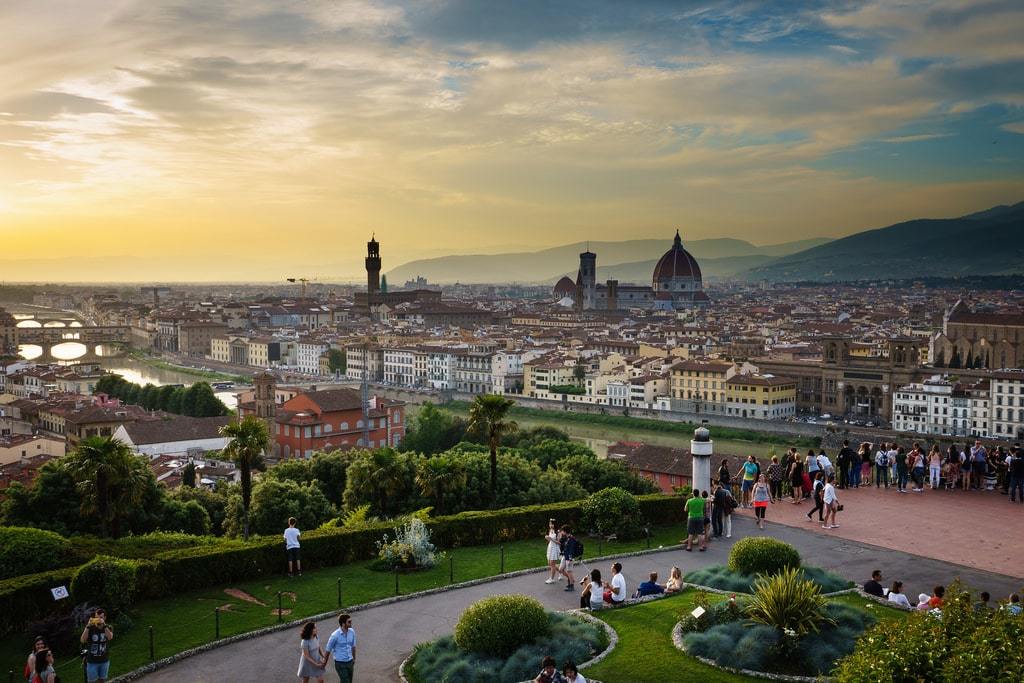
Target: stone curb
613 640
213 645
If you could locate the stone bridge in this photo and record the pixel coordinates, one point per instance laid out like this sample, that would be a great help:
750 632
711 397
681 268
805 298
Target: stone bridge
91 337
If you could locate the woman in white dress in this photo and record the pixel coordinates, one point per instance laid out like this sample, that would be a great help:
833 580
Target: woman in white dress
554 551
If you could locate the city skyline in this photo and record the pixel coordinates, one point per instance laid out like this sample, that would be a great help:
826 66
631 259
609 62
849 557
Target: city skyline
251 139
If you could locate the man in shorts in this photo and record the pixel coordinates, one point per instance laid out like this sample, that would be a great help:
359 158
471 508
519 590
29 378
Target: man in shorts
695 521
96 638
291 547
570 552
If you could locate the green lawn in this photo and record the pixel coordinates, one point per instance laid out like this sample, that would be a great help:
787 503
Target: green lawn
188 620
645 651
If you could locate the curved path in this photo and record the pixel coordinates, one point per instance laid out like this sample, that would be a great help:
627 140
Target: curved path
388 633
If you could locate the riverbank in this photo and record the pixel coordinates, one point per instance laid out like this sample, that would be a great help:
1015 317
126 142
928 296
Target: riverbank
621 428
211 375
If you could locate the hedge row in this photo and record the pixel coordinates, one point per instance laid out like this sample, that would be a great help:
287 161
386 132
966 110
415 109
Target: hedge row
28 598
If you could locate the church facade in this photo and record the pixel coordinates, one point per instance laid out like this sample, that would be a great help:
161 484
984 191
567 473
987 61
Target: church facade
978 340
676 284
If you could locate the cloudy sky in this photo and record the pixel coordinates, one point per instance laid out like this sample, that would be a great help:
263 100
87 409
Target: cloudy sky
146 139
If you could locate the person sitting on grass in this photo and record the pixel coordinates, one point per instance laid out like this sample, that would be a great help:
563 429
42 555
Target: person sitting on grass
675 581
615 594
695 521
896 595
874 586
983 602
649 587
548 672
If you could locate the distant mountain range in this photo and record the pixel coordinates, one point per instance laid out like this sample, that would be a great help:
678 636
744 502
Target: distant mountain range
989 242
629 261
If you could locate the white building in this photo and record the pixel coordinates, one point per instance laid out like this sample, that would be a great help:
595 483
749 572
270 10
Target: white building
979 399
400 367
307 355
1008 404
360 358
507 372
936 406
473 372
179 436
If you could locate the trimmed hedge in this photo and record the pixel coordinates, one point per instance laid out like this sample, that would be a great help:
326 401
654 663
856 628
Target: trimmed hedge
762 555
113 582
225 562
24 550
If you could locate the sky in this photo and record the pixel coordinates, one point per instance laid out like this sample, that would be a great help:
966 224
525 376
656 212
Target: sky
264 139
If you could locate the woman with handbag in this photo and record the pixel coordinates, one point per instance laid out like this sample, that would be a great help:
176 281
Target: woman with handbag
831 504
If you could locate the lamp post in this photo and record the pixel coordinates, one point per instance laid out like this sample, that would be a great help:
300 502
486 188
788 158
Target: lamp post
701 448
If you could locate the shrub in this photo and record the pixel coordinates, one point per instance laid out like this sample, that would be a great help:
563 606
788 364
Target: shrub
722 612
500 624
722 578
24 550
411 548
28 597
788 602
762 555
109 581
613 511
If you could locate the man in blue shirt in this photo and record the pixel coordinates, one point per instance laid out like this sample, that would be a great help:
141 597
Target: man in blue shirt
650 587
342 646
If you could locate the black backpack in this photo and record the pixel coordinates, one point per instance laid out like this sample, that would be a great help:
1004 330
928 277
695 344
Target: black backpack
573 548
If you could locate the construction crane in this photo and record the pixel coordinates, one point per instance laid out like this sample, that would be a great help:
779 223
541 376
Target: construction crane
303 281
157 291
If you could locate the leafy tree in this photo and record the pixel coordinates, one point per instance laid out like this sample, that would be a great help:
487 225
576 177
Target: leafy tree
109 477
213 502
554 485
579 372
594 474
298 470
187 517
436 477
525 438
249 441
330 471
188 475
487 414
433 431
53 503
274 501
164 397
176 402
547 453
384 284
384 479
954 361
148 397
200 401
336 360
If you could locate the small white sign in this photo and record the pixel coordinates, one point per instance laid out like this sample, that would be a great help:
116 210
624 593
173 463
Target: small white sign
697 612
59 593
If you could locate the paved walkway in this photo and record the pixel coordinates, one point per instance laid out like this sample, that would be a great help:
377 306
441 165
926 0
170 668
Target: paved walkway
387 634
978 529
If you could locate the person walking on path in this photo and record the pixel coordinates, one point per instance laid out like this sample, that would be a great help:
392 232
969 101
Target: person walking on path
901 470
1016 474
796 479
934 467
695 521
342 647
572 550
831 504
291 547
311 656
882 466
775 474
554 552
843 460
819 500
761 497
96 637
747 474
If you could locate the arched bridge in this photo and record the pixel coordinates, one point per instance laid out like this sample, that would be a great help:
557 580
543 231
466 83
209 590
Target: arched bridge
49 337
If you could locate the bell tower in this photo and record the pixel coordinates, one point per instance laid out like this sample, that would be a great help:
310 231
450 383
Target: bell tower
372 267
265 388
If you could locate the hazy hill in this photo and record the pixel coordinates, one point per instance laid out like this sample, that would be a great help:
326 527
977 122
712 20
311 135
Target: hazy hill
985 243
548 264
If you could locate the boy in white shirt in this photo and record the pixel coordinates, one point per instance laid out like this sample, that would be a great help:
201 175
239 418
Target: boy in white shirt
291 547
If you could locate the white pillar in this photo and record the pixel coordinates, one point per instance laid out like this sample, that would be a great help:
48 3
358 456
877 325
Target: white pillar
701 448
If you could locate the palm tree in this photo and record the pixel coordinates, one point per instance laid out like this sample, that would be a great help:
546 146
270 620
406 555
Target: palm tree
436 477
249 440
110 477
487 415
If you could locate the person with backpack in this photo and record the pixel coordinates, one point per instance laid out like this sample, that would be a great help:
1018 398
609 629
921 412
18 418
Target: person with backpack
818 493
844 460
882 466
96 637
572 551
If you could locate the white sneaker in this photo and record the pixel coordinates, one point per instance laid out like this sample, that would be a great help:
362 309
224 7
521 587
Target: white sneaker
549 580
728 535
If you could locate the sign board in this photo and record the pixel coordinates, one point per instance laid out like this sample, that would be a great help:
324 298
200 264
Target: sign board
59 593
697 612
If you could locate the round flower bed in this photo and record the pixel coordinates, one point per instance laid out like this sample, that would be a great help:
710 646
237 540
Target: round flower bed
722 578
568 637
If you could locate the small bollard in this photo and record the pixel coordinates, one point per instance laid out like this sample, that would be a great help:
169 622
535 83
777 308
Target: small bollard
280 614
10 676
502 560
152 649
216 616
339 591
451 569
396 580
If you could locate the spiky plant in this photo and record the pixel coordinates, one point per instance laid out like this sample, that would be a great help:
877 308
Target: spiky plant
788 602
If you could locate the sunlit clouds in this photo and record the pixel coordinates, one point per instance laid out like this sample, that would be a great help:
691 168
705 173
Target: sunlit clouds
242 139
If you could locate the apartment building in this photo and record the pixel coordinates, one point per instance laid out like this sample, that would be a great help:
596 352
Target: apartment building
307 355
763 397
1008 404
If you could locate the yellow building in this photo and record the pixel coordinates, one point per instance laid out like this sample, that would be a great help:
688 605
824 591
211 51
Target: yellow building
701 379
763 397
542 374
